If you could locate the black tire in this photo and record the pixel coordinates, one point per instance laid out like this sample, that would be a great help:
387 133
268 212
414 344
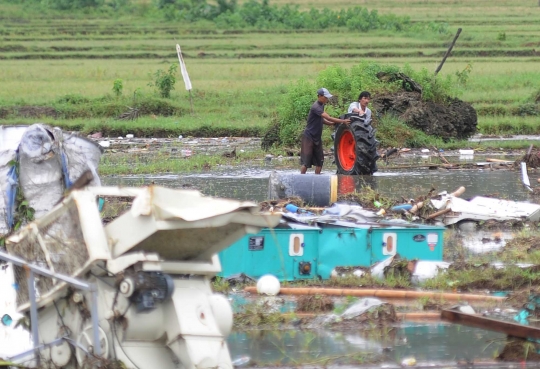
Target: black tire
363 150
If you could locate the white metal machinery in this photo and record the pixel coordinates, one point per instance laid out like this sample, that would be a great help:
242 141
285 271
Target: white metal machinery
152 267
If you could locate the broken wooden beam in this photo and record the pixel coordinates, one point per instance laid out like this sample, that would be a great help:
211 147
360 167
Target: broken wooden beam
478 321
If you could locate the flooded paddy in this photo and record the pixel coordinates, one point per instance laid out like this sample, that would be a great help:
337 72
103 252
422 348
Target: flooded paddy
430 344
251 183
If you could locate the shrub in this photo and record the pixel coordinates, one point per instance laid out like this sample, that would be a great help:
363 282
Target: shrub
345 85
118 86
164 81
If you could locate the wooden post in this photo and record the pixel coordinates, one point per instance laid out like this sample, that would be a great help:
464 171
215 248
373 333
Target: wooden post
191 101
449 51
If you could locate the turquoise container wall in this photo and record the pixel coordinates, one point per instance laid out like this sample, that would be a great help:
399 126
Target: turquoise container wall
342 247
272 252
424 243
282 252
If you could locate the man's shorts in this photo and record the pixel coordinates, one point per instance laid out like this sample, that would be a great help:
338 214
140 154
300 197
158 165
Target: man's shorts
311 153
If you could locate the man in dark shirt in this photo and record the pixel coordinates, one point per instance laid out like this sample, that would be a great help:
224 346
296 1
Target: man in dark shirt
311 152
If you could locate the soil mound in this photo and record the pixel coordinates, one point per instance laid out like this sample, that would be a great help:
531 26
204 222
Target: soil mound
457 119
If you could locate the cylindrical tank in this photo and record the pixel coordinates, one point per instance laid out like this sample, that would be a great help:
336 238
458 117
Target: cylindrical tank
314 189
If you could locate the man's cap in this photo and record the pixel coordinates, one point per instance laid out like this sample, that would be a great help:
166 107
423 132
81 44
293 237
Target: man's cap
324 92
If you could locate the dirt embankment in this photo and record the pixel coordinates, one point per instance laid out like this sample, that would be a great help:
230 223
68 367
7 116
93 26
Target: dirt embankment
458 119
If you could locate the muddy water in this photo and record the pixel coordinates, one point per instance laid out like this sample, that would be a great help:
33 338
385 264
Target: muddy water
429 343
252 183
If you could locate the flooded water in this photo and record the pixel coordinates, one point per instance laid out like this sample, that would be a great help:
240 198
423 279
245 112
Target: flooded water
252 183
429 343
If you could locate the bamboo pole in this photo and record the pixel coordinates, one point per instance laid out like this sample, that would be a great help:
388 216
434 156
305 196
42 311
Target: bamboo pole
391 294
499 161
448 52
437 213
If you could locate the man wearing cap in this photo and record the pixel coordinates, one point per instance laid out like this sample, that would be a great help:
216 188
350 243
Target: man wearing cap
311 152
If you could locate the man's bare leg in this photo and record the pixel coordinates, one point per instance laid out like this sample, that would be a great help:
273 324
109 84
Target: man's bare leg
318 170
303 169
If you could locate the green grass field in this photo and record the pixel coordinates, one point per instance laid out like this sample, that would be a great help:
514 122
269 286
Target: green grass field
240 76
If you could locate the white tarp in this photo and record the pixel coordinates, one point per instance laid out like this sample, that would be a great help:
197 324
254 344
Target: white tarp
484 208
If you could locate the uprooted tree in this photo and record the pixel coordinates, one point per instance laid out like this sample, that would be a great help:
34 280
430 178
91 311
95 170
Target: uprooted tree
421 103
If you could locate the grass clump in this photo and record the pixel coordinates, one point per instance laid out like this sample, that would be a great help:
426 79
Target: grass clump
258 315
220 285
314 304
393 132
368 198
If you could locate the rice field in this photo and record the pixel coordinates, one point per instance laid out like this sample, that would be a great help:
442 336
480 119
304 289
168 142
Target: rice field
239 76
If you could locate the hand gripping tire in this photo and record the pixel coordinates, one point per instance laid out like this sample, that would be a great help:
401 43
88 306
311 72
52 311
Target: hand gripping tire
355 148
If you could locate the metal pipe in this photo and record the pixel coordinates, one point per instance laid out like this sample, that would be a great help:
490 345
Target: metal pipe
39 270
33 314
400 294
95 321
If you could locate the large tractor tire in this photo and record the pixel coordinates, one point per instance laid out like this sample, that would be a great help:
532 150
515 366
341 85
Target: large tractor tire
355 148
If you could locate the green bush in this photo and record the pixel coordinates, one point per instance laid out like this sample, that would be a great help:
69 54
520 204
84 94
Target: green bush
434 87
118 87
164 81
345 85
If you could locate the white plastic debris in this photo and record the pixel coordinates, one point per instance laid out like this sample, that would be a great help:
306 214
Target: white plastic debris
408 361
466 309
466 152
268 285
180 136
377 270
120 138
360 307
242 360
425 150
484 208
425 270
129 135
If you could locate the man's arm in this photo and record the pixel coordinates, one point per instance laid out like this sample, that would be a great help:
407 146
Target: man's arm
328 120
368 116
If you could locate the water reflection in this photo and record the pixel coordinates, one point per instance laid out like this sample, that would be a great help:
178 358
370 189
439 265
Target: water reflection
425 342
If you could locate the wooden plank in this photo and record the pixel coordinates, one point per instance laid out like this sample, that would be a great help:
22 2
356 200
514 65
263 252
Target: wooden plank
473 320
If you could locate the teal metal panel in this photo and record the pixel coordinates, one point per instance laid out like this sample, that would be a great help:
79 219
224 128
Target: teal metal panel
270 252
342 247
425 243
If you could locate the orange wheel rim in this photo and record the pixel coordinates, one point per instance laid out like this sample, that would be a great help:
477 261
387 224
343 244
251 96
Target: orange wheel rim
346 151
